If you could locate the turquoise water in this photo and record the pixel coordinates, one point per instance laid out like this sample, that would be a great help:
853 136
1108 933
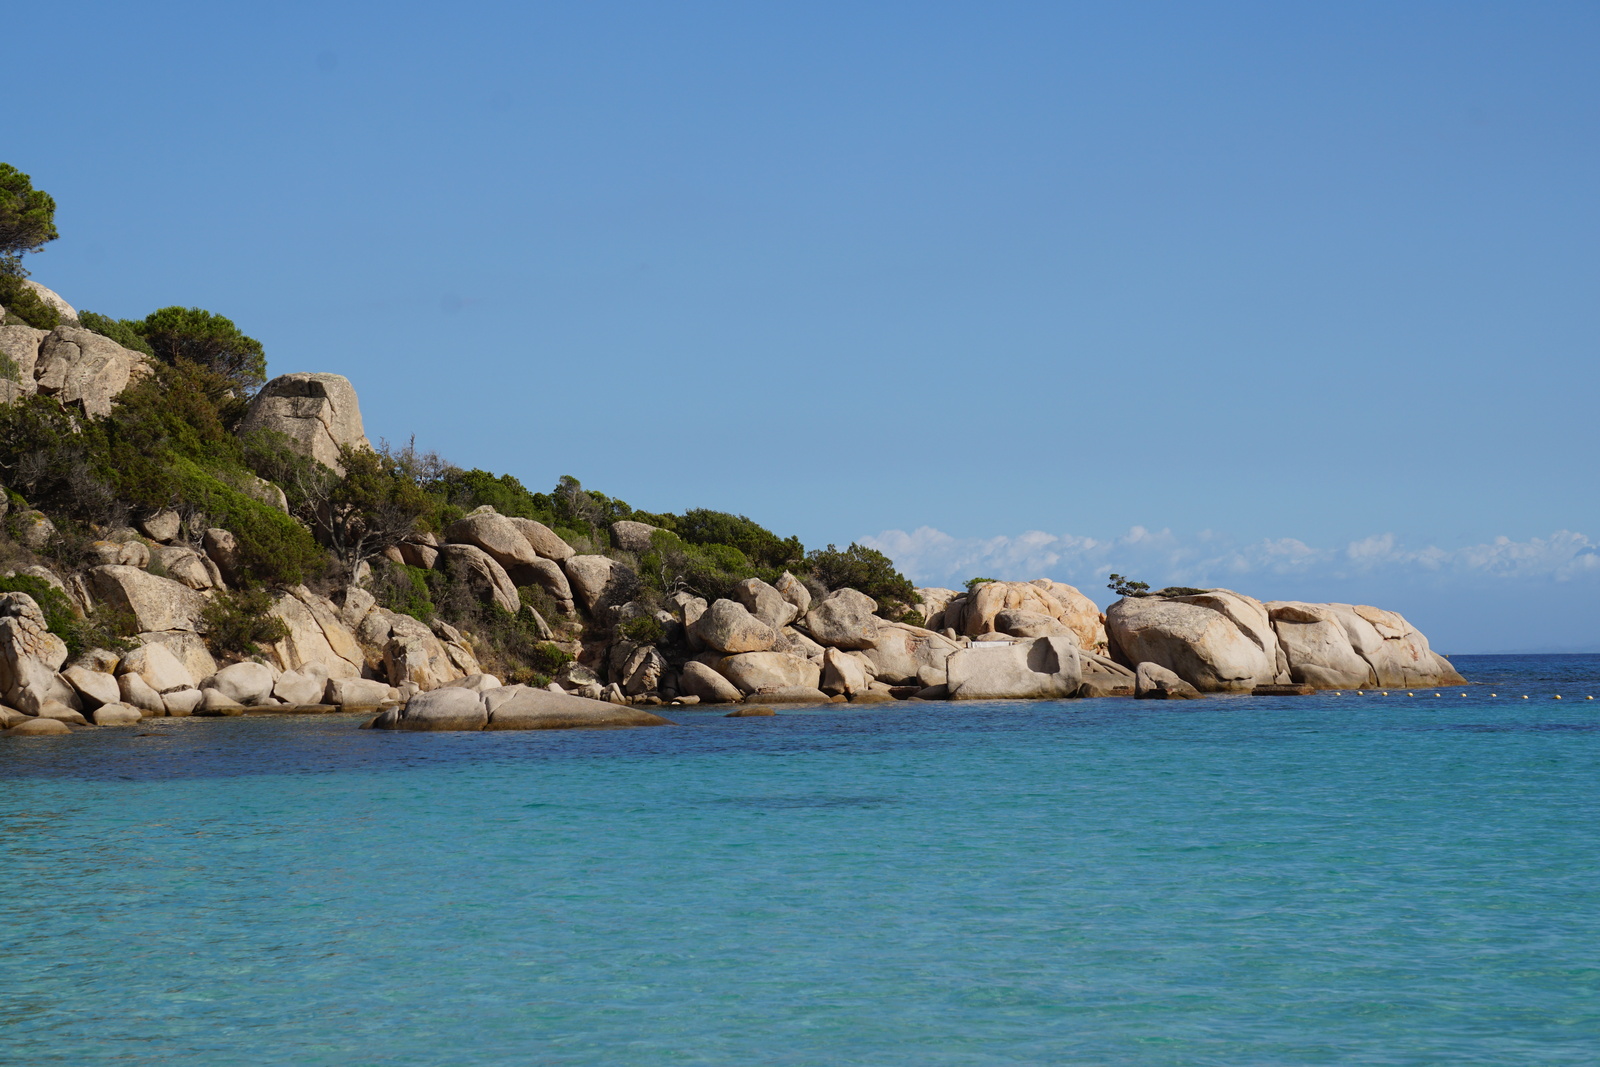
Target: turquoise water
1235 881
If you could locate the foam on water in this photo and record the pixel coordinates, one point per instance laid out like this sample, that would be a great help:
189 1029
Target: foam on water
1317 880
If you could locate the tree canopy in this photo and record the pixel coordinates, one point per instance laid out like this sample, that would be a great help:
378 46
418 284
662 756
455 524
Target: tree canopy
179 334
27 218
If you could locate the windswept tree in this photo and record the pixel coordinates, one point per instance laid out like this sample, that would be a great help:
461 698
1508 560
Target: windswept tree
374 506
193 335
27 219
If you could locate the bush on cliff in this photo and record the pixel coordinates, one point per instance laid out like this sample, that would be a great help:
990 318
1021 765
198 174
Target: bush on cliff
106 629
164 445
238 624
123 331
865 570
23 306
759 545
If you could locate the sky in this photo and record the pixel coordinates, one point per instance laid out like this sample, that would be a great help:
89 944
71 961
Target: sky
1295 299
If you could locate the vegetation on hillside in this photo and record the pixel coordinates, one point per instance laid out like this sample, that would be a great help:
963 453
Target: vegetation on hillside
171 441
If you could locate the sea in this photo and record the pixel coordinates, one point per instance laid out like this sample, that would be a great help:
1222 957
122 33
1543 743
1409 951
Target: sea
1393 878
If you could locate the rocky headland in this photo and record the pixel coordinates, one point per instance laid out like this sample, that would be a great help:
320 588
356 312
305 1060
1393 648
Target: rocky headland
288 565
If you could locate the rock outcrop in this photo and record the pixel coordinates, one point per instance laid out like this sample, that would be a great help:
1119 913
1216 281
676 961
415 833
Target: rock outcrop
729 627
1154 682
318 413
155 603
632 536
1218 641
843 619
30 656
1045 668
83 368
1354 646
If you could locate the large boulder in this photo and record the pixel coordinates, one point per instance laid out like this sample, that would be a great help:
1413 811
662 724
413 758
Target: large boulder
159 668
1044 668
33 528
300 687
115 714
767 672
189 648
546 574
932 603
1079 614
545 541
223 548
37 728
478 569
795 592
903 654
187 566
79 366
1217 641
540 709
30 656
844 619
1019 622
356 692
1104 676
1043 597
318 413
316 635
632 536
136 691
1355 646
247 683
441 709
162 526
495 534
597 580
729 627
410 653
699 680
155 603
1154 682
94 687
766 603
843 674
642 671
21 345
51 298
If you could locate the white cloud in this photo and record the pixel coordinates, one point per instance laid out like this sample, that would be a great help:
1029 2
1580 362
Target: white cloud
932 557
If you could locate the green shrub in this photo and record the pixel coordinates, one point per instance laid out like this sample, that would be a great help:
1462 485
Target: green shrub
760 546
273 548
973 583
23 305
123 331
404 589
711 571
1123 586
643 630
237 624
106 629
865 570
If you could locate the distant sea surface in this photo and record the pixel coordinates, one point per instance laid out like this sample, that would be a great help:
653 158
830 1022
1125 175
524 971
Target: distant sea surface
1234 881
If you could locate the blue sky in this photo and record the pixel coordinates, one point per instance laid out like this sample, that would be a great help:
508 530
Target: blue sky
1300 299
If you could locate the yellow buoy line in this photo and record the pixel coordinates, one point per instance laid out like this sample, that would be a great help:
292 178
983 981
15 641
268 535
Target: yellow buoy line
1363 692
